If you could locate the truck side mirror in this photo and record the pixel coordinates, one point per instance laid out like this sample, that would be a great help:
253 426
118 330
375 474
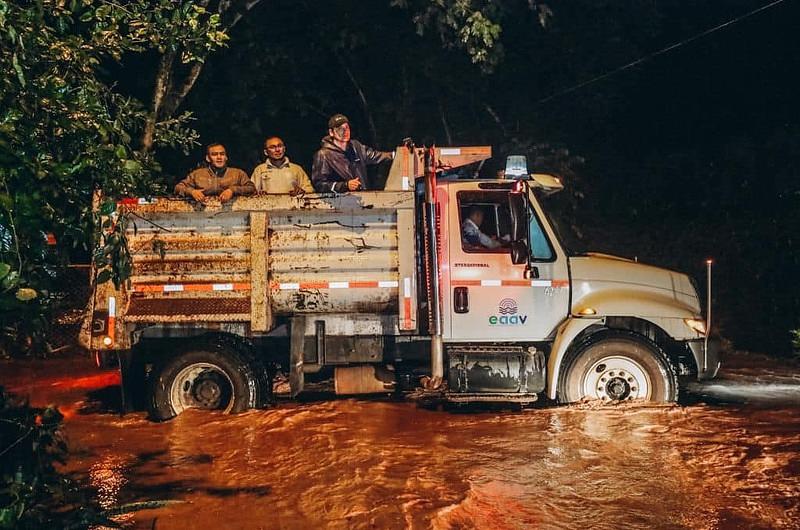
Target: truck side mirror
519 252
518 207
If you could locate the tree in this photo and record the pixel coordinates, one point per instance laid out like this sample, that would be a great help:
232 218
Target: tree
181 59
66 131
467 24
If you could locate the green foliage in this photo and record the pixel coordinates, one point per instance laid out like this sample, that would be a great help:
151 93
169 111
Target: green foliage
796 340
30 444
164 25
21 311
66 130
469 24
33 494
472 25
112 258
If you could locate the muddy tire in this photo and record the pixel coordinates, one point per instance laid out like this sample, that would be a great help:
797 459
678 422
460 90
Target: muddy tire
615 367
204 377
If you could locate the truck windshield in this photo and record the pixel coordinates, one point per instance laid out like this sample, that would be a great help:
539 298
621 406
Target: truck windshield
540 247
566 232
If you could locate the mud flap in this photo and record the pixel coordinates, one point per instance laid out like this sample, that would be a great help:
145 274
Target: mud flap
296 376
128 381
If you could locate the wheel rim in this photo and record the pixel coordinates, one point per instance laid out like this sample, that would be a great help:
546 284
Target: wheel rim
202 385
616 378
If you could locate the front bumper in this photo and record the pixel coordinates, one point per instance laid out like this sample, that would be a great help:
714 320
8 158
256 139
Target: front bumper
707 359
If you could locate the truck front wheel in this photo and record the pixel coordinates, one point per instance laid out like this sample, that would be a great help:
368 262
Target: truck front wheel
205 378
617 367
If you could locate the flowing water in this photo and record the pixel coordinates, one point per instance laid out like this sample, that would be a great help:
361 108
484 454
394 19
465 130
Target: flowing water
732 462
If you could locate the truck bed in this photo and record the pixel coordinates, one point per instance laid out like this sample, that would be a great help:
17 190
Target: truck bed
261 257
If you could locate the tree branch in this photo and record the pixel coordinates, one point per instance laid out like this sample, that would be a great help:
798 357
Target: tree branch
176 97
362 97
241 12
496 118
446 126
163 86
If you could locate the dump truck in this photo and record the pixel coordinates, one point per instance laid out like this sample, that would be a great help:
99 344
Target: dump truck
384 292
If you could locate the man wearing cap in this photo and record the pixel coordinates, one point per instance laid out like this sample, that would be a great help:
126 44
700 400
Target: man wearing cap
340 165
215 178
278 174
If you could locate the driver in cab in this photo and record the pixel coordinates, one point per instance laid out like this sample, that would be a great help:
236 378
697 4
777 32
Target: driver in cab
471 233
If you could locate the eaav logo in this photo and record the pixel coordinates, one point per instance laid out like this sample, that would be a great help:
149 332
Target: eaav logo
508 314
507 306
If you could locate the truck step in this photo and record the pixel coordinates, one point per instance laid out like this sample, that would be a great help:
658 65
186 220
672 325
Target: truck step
445 396
462 397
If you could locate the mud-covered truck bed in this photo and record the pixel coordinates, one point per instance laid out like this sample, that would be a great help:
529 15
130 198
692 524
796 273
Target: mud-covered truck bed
269 256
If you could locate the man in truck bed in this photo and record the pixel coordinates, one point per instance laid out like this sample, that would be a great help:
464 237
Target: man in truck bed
215 178
340 165
278 174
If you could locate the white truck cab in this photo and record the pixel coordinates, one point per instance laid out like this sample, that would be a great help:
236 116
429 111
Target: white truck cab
612 328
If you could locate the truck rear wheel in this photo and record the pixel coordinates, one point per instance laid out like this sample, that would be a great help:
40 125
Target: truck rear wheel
618 367
203 377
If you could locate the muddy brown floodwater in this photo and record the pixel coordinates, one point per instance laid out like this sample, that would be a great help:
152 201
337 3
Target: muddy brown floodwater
350 463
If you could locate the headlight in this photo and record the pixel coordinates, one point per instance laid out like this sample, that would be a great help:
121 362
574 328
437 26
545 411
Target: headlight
698 325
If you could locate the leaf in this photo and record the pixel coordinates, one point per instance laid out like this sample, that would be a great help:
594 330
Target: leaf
104 276
108 208
160 248
5 268
8 519
6 201
18 69
103 11
132 165
11 280
26 294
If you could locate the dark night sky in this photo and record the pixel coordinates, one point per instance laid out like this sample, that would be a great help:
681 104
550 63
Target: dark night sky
738 82
693 153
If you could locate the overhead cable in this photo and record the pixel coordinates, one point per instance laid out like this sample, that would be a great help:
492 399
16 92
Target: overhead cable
660 52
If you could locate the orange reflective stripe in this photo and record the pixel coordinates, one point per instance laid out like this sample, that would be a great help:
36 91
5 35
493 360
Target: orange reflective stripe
516 283
314 285
362 285
372 284
510 283
188 287
407 312
111 321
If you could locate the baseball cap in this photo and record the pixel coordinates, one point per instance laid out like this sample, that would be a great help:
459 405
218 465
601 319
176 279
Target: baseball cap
337 120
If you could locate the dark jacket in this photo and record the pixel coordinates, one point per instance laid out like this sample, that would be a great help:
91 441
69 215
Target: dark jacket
333 167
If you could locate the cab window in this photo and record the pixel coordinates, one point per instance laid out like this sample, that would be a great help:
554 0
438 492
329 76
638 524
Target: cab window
485 221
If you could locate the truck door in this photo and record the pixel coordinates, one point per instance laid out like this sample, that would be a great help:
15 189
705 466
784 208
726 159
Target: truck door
488 298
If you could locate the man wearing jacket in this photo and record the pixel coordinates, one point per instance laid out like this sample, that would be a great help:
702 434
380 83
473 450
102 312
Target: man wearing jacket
340 165
216 178
278 174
